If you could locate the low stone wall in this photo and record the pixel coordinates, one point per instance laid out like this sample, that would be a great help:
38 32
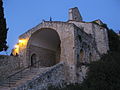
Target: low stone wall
8 65
54 76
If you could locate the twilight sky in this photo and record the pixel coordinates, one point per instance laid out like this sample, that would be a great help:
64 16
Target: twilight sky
22 15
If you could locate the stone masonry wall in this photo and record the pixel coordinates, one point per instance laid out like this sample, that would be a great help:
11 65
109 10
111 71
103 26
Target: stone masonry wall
8 65
45 56
86 43
53 76
74 14
66 34
99 34
101 37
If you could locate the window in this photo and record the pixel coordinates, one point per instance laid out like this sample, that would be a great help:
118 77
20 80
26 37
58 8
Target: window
81 55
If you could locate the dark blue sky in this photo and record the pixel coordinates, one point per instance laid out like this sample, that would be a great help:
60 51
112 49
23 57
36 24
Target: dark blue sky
22 15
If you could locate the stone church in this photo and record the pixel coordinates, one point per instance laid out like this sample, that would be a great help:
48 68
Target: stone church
75 43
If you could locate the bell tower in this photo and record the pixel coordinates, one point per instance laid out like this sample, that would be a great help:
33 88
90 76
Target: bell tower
74 14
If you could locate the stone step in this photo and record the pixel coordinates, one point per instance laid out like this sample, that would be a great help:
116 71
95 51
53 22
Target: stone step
18 79
4 88
8 84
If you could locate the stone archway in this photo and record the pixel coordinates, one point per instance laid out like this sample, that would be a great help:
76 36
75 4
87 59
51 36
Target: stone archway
46 44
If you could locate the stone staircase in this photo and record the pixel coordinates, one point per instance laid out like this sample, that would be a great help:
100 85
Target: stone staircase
21 77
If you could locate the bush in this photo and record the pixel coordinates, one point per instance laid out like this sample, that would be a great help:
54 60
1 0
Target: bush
104 74
114 42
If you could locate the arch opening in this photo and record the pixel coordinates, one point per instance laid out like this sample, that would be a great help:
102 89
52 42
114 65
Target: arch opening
81 55
46 44
33 60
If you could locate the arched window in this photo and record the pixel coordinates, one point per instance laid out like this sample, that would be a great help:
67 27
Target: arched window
81 55
33 59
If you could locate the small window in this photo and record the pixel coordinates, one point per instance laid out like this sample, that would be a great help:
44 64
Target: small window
81 55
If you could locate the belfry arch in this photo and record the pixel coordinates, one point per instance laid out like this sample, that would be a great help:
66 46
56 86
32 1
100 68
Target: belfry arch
46 44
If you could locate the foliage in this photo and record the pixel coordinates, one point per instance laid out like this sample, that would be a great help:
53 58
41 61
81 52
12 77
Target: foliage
95 22
3 29
104 74
114 42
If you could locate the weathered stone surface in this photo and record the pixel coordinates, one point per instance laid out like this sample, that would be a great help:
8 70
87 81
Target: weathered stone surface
98 33
52 77
8 65
74 14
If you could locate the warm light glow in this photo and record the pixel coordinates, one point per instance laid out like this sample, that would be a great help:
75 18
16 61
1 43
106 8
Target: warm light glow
16 49
16 46
21 41
19 46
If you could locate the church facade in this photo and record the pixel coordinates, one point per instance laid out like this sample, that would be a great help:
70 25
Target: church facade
74 42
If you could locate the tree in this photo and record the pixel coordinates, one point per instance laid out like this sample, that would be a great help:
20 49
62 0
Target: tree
114 42
3 29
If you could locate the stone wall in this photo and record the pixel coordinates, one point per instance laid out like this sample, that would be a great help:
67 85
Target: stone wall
81 73
66 33
98 33
85 52
54 76
101 38
85 43
74 14
45 56
8 65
